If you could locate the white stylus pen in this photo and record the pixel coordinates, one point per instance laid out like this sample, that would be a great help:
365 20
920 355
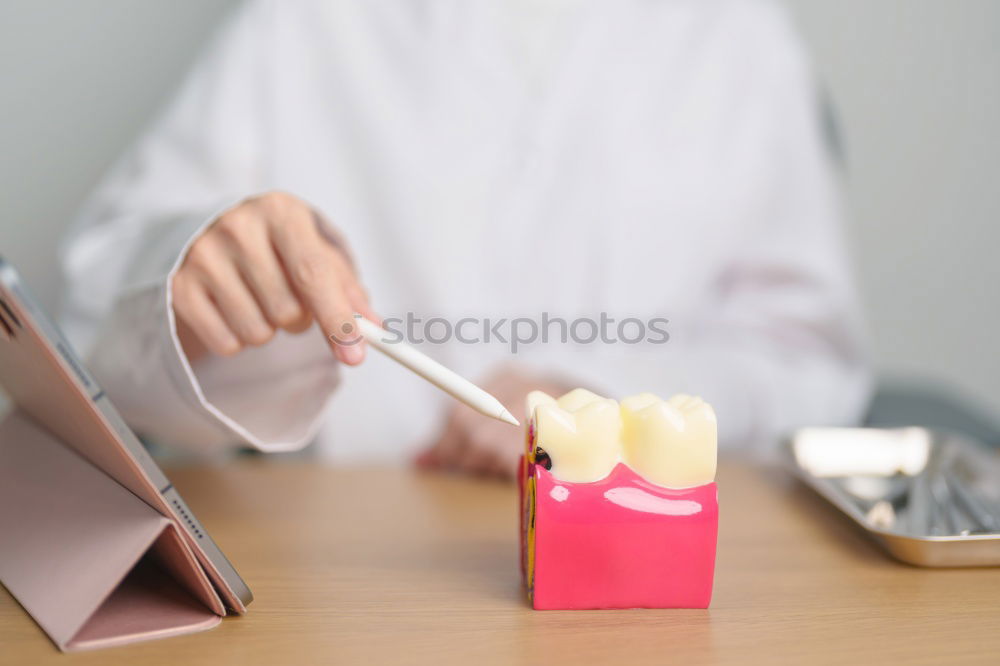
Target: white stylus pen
432 371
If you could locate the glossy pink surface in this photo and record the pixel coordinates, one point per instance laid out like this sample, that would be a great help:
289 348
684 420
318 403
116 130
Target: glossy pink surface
623 542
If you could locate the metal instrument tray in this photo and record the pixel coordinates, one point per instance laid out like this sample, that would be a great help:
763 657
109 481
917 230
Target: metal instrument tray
929 498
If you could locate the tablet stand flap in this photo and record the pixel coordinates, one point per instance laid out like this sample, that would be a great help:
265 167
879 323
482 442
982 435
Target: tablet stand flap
71 535
148 603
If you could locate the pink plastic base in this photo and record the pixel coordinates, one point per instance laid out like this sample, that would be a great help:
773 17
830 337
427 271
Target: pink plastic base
622 542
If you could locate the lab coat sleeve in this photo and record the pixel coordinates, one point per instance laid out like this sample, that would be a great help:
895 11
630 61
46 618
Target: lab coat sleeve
202 156
778 341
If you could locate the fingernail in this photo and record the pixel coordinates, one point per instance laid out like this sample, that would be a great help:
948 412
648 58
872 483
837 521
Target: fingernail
352 354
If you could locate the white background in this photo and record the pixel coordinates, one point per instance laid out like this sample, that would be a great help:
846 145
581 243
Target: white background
916 85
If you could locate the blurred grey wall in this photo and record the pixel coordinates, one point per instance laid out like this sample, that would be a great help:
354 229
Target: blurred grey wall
79 80
916 84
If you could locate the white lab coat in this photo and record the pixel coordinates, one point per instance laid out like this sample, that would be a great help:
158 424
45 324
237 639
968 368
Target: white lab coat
490 159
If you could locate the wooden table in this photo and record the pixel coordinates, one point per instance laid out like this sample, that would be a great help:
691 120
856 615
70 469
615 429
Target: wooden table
395 567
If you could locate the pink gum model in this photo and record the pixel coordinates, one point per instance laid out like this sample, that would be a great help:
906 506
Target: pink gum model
620 542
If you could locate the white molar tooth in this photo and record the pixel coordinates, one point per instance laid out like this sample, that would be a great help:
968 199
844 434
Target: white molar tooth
670 443
583 442
678 399
534 399
695 406
640 401
577 399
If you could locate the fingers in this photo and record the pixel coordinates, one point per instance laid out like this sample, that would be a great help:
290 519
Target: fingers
473 447
260 269
476 461
263 266
505 465
230 294
323 281
447 447
197 311
358 298
491 452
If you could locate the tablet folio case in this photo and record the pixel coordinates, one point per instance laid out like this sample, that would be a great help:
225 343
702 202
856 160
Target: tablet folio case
93 564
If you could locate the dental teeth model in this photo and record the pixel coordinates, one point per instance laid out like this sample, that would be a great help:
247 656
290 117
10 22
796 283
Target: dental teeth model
619 504
582 432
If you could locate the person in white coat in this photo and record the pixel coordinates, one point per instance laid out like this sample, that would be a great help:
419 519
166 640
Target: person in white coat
471 159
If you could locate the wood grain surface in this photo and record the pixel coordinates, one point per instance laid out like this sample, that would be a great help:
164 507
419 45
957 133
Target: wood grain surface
391 566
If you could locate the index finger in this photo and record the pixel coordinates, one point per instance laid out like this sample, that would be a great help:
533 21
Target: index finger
312 265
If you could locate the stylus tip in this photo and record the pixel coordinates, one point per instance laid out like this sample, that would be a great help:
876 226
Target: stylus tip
506 417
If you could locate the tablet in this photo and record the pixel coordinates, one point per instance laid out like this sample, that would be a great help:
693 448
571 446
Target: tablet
46 379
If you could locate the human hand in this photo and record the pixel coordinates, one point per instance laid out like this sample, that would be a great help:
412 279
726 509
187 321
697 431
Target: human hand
477 444
261 266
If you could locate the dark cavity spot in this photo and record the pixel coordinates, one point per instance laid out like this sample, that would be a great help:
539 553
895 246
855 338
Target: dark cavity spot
346 328
542 458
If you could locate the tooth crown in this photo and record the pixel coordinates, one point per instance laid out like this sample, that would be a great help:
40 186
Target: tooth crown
577 399
536 398
582 441
670 443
